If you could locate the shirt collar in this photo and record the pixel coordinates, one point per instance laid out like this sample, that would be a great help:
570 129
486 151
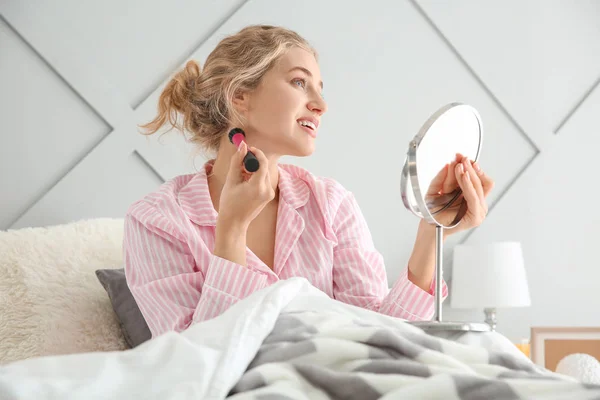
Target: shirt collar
196 202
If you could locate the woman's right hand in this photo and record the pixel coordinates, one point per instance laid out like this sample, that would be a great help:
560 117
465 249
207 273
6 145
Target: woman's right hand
245 194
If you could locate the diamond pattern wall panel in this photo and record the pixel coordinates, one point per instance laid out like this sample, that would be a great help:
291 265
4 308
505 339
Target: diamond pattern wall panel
113 188
46 128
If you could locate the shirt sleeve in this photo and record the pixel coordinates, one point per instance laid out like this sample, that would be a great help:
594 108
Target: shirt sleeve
168 287
359 275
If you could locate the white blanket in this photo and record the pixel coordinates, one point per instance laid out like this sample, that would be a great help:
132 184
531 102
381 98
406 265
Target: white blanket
204 362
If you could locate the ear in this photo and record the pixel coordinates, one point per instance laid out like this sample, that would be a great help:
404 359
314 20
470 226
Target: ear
241 101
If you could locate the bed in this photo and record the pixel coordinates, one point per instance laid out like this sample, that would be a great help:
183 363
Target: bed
61 339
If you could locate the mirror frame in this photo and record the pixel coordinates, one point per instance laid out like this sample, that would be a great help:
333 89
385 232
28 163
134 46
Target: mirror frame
409 179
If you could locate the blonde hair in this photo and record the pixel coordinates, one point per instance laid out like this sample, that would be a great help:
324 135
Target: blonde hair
200 101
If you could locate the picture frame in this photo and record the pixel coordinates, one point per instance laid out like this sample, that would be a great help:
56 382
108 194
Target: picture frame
549 345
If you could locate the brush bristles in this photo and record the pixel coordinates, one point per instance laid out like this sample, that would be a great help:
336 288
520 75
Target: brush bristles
235 131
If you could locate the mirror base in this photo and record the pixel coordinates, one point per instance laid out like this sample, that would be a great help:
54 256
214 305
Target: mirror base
451 326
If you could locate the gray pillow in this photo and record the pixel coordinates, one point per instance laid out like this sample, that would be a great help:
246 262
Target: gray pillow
133 325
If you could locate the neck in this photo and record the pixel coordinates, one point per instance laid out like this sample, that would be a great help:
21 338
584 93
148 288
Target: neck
220 169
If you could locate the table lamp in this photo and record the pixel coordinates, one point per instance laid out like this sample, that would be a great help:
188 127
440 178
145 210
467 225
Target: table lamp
489 276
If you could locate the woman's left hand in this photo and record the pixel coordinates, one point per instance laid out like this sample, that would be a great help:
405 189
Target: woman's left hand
475 186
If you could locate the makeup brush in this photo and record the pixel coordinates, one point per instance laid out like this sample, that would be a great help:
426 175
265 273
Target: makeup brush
237 136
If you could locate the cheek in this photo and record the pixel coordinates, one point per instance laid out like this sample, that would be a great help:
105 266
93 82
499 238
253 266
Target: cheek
279 112
274 110
285 102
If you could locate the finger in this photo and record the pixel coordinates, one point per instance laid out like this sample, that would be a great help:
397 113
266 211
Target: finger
486 182
479 186
474 178
437 182
469 192
459 170
451 182
236 165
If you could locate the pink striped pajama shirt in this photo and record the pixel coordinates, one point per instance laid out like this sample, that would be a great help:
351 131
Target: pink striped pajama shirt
321 235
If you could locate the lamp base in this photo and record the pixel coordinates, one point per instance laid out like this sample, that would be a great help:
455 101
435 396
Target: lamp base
490 317
452 326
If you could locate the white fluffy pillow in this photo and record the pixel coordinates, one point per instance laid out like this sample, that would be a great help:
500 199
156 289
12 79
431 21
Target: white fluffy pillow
50 299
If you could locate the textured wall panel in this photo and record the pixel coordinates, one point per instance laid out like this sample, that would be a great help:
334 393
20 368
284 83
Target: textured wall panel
113 188
45 127
538 57
133 44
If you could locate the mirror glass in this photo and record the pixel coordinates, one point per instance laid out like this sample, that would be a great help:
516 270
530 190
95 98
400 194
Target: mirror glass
453 132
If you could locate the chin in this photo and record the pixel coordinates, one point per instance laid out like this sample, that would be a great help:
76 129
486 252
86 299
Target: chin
297 146
303 151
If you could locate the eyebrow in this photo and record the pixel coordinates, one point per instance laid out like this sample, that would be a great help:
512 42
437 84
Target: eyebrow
307 72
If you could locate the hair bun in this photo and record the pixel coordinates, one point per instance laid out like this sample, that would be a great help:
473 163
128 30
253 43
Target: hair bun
191 74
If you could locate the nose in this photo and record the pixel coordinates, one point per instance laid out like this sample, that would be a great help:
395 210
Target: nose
318 105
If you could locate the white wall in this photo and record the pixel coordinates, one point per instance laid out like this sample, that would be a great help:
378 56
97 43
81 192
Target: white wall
76 79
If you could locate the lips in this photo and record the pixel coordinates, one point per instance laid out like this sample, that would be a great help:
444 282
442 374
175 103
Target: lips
308 130
309 124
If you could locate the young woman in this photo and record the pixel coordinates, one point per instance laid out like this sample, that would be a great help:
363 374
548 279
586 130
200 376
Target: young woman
203 241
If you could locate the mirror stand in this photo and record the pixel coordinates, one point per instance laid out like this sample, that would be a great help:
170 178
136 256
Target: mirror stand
437 324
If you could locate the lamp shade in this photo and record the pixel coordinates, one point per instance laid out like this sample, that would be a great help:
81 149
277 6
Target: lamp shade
489 276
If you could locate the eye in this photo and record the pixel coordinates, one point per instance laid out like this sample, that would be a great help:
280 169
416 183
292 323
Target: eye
302 81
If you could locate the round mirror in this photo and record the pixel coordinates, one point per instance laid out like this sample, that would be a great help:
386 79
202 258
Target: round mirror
452 132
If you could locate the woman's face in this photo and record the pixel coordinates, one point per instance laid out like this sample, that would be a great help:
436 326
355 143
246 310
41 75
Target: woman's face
284 111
